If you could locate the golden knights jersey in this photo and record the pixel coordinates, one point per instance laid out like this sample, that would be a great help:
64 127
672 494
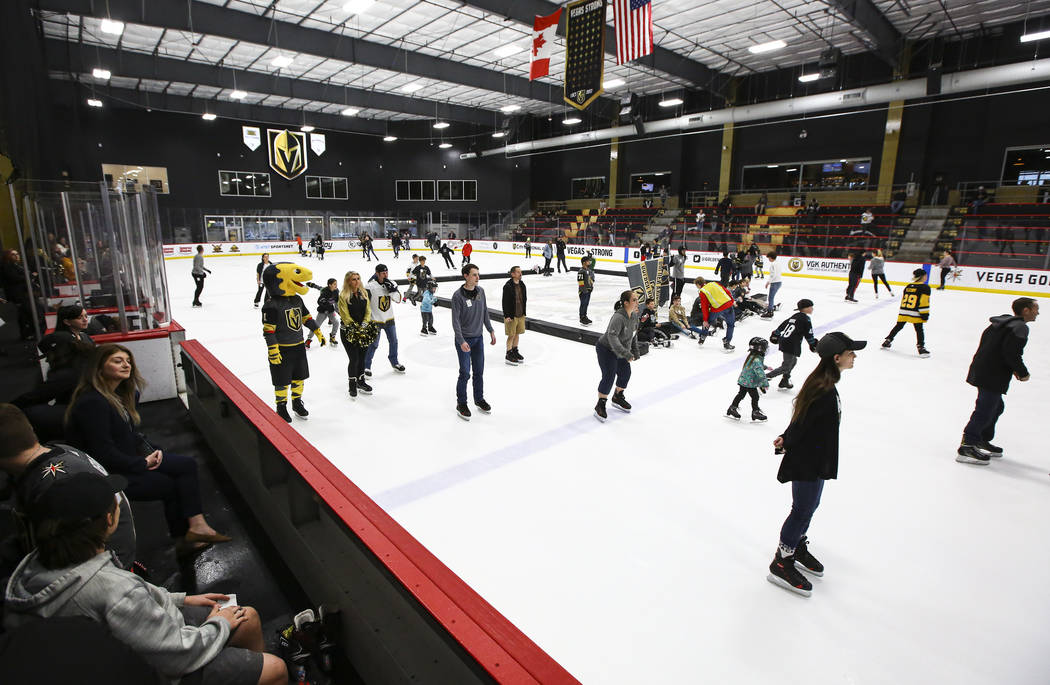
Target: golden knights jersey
284 319
915 303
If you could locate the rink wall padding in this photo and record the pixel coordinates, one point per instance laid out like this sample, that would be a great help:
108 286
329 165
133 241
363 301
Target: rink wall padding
407 618
615 260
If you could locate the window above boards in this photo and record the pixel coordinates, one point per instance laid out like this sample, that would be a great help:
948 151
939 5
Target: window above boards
130 177
327 188
441 191
244 183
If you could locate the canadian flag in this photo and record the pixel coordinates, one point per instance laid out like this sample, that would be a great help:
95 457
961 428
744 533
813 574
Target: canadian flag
543 30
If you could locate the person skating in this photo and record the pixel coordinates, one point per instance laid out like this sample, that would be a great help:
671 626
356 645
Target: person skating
559 245
446 254
915 309
724 269
259 268
776 279
469 313
788 336
856 272
713 303
395 244
319 247
878 271
678 271
414 289
528 248
283 318
299 244
426 308
383 294
810 446
199 273
752 379
326 303
466 250
421 275
616 349
548 255
946 264
998 358
585 284
515 299
357 331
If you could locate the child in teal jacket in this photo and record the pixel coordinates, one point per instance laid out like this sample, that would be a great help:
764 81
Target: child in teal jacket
752 379
426 309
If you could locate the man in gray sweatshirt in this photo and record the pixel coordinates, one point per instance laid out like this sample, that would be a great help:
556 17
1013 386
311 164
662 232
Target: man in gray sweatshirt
199 273
469 313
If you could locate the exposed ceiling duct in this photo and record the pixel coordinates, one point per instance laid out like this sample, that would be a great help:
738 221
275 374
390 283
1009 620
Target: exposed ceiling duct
959 82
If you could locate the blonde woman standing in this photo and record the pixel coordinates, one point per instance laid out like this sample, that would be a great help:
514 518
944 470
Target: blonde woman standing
357 330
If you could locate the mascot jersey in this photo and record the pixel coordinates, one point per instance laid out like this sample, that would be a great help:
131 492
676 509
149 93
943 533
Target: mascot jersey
285 314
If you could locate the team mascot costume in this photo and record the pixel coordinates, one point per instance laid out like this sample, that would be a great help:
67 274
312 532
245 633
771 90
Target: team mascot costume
283 318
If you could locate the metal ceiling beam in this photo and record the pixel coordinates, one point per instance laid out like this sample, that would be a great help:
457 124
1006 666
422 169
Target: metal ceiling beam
70 91
214 20
81 59
662 59
866 16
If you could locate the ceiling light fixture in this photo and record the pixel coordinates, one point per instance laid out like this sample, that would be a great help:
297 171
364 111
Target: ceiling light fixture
767 47
507 50
281 61
238 95
772 166
441 124
571 121
614 83
389 139
806 78
411 87
672 102
111 26
94 102
790 170
306 128
357 6
101 74
1029 37
349 112
510 108
445 146
499 134
208 116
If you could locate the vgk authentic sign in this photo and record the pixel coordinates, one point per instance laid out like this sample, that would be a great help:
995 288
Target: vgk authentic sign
287 152
584 52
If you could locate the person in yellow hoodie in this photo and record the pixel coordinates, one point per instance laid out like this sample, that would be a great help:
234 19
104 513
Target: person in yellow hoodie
915 309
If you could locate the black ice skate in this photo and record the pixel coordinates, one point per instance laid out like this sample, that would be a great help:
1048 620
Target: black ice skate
517 355
584 321
804 561
599 410
396 367
299 408
757 416
483 406
970 454
282 411
463 412
432 331
727 347
368 372
784 384
511 359
353 388
923 352
363 387
733 413
620 402
990 449
887 343
782 572
423 332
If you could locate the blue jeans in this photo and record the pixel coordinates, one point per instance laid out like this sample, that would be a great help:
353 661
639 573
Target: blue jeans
773 288
981 427
729 316
694 329
391 338
805 498
471 361
585 300
613 369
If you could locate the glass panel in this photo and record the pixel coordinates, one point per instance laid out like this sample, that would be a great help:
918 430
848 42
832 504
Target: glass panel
313 187
428 191
581 188
342 189
225 187
470 190
402 191
262 184
328 187
444 190
457 190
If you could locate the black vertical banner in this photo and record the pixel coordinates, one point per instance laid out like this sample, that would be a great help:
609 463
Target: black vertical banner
650 279
584 52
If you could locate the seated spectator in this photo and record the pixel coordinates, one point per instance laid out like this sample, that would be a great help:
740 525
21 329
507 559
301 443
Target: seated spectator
650 330
746 305
32 468
680 320
980 199
72 574
102 420
103 323
897 203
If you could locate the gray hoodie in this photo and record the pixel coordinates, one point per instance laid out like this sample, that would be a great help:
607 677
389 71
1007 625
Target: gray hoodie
621 334
143 616
878 265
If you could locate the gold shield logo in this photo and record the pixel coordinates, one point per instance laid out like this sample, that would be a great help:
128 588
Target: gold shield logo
294 317
795 264
287 152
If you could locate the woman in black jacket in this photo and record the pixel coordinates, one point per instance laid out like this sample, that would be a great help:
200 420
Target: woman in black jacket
811 455
102 420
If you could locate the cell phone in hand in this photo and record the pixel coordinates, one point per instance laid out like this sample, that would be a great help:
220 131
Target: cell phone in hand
231 602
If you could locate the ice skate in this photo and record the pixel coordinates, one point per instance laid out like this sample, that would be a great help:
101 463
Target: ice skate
758 417
517 355
620 402
784 384
804 561
727 347
510 359
483 406
733 413
424 333
990 449
282 411
397 367
923 352
887 344
299 408
363 387
970 454
599 410
353 388
463 412
782 572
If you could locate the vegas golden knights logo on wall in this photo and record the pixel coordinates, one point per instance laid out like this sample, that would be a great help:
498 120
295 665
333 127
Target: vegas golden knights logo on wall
287 152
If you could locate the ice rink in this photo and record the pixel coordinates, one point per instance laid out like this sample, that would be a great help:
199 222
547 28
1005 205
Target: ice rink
636 551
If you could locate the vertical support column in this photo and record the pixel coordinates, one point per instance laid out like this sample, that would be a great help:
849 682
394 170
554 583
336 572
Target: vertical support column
726 168
890 143
614 169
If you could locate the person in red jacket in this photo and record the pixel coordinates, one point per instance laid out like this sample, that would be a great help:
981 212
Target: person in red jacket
467 249
714 302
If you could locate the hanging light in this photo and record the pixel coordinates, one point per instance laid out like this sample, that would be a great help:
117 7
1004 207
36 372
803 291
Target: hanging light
614 83
1029 37
441 124
671 102
349 112
281 61
571 121
306 128
767 47
94 102
509 108
499 134
389 139
807 78
208 116
112 26
101 74
445 146
238 95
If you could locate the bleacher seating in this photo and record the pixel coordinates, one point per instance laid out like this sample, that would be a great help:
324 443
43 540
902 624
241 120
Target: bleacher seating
620 226
998 234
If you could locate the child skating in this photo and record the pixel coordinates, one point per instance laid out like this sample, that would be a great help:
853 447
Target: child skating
915 309
752 379
426 308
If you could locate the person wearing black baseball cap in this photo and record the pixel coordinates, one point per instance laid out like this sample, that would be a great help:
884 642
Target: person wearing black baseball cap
810 445
788 336
72 574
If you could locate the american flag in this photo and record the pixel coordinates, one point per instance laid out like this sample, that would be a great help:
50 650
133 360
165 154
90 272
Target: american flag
634 29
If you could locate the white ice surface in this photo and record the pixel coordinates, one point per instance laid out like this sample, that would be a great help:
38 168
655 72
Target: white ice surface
636 551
